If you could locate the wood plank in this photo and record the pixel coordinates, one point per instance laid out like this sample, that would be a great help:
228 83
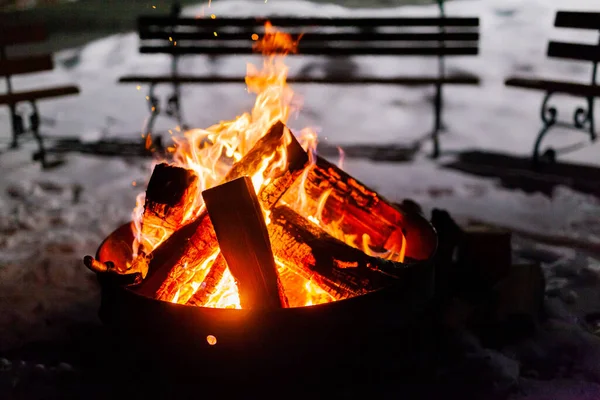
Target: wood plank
574 51
287 22
208 34
337 80
31 95
577 19
104 147
322 50
239 224
26 65
574 88
15 35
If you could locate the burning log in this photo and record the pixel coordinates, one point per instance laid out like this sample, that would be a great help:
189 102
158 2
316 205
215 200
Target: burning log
357 210
209 284
165 206
243 238
337 268
197 240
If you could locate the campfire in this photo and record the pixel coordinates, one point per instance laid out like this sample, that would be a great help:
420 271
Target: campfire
245 215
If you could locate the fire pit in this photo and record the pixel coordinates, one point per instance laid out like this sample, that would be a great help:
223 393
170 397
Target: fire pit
247 249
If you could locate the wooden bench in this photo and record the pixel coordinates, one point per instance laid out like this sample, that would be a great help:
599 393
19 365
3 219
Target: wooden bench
583 117
436 37
10 66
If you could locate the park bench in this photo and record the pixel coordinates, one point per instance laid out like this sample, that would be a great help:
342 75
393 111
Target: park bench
583 117
436 37
11 66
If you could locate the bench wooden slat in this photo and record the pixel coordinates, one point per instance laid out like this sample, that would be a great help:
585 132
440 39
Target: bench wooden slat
322 50
25 65
14 35
416 80
573 88
574 51
18 97
315 37
146 20
578 20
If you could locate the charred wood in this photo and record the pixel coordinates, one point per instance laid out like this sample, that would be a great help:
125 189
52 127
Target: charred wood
337 268
358 210
166 201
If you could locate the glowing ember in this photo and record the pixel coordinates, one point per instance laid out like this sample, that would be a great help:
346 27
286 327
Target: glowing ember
211 339
210 153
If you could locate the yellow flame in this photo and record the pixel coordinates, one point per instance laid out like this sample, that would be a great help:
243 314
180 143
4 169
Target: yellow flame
211 152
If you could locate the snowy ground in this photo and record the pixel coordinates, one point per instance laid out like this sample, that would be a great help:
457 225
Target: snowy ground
49 220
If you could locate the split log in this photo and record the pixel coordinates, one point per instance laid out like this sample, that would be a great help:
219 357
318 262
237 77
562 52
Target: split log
165 206
208 287
447 276
197 240
520 293
243 238
357 210
516 306
339 269
485 253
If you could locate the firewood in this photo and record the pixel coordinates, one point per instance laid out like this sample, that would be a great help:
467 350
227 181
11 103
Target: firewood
243 238
166 201
485 253
520 293
359 210
449 237
336 267
197 241
208 287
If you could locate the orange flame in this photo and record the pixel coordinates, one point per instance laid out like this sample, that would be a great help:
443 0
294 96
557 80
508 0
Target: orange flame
210 152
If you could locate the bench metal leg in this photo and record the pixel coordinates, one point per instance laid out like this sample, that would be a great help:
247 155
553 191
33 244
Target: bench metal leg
34 121
16 122
154 107
583 119
548 115
174 106
173 109
437 123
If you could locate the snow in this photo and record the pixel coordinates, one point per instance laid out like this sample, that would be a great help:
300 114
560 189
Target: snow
49 220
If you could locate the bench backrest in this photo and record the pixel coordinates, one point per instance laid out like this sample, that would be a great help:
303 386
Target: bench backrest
577 51
18 35
320 36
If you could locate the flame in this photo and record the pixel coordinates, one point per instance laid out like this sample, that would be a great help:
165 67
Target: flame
210 153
